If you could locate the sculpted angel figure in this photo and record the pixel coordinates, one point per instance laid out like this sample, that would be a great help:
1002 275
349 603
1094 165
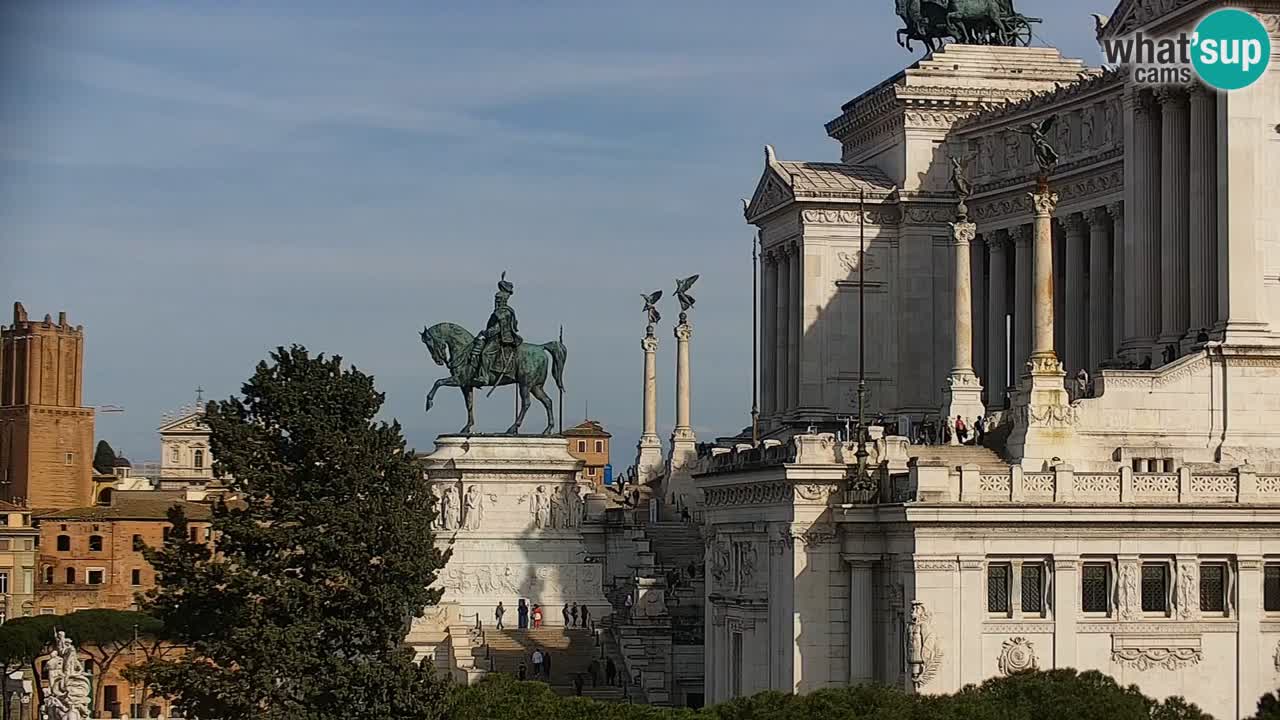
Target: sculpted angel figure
650 306
682 293
1046 156
960 184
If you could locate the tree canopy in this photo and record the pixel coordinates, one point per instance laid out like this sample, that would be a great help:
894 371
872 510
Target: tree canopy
104 458
1052 695
321 562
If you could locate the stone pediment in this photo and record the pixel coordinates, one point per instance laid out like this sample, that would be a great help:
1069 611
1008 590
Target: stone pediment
784 182
773 190
1130 15
189 423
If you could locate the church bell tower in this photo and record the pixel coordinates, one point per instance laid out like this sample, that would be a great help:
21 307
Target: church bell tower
46 435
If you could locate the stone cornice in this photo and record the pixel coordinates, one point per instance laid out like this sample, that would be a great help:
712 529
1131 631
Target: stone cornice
1097 83
1012 202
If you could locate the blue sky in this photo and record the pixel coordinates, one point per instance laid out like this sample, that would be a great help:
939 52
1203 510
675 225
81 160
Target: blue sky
198 183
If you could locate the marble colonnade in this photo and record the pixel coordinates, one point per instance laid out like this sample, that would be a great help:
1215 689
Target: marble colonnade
781 331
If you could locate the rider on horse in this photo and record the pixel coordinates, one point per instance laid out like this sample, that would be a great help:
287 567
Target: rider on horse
495 348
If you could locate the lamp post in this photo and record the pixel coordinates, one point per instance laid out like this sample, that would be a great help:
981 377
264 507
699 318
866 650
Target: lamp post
861 486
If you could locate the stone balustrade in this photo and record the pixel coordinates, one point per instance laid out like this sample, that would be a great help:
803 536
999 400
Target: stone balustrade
969 484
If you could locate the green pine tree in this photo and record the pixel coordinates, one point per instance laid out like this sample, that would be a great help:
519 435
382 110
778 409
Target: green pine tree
319 567
104 458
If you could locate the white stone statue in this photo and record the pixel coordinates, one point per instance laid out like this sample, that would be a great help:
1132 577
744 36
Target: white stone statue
582 504
474 505
1128 591
438 522
556 510
451 509
540 508
923 653
569 518
68 696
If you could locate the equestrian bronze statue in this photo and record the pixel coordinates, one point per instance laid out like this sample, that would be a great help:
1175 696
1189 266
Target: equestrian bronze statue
497 356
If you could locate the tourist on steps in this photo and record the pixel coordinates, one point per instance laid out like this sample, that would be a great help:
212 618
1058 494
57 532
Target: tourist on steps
586 616
546 663
522 612
565 612
573 614
577 684
498 613
537 616
537 663
610 672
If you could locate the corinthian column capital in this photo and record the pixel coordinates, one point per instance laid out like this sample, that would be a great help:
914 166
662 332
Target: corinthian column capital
1074 224
1116 211
1043 203
996 240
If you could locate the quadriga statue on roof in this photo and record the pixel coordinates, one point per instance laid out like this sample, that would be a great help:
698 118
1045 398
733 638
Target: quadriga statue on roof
970 22
497 356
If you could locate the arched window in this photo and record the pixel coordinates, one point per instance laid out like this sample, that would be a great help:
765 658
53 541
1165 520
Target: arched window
104 497
64 543
71 576
95 543
48 574
199 458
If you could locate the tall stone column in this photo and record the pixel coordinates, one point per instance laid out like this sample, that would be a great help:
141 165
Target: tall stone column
1175 187
1044 421
1021 237
1143 228
1203 211
782 330
1075 350
1098 319
997 342
795 328
768 340
649 449
683 440
1120 315
962 394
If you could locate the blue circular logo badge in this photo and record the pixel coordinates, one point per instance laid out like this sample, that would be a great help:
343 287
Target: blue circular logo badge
1231 49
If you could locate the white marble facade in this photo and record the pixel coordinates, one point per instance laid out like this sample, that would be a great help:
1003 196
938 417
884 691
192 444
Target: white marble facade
1153 260
1167 580
512 510
1136 534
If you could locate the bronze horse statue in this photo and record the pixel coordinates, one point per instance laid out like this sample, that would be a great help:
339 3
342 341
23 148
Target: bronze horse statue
453 347
973 22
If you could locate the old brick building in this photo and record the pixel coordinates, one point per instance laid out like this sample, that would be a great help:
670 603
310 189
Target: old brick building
589 442
46 434
87 556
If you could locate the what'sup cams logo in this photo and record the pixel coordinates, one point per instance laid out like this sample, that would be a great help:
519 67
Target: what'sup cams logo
1229 50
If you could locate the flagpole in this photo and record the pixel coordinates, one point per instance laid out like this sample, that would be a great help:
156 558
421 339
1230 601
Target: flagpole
755 346
561 408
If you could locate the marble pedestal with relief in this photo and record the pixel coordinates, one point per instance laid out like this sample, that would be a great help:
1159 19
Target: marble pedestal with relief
512 510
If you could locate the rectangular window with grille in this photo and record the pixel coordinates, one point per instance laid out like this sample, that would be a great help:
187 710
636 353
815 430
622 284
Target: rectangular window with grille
998 588
1271 588
1155 588
1032 588
1213 588
1095 588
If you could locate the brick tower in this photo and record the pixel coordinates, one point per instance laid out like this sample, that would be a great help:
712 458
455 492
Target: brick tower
46 436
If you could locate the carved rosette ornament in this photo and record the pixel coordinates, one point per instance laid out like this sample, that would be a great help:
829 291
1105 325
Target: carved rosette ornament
1017 655
922 651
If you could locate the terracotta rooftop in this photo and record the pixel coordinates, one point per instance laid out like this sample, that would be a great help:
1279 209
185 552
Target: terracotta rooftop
590 428
134 505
